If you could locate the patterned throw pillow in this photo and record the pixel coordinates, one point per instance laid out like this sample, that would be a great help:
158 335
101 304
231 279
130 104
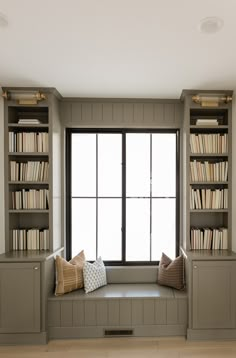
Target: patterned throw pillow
94 275
171 273
69 275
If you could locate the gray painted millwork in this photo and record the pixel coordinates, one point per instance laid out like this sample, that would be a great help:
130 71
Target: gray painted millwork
210 274
123 114
132 301
20 297
143 308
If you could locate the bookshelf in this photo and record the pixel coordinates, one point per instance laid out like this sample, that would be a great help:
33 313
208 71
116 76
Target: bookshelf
32 175
206 217
207 171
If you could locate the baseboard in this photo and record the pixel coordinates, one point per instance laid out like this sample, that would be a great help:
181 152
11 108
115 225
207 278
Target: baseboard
23 338
210 334
98 331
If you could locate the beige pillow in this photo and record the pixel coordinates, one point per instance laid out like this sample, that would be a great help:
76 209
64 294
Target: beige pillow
171 273
69 275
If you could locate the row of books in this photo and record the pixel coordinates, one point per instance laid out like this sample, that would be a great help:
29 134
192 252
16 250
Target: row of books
30 199
209 239
30 239
207 171
28 142
208 199
209 143
29 171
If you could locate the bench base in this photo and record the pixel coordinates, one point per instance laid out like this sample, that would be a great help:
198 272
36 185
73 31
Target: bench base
118 310
101 332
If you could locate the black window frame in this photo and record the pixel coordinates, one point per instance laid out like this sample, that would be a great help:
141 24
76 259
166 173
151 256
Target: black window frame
123 131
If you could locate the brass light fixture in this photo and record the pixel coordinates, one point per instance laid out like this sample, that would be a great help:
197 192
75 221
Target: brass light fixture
24 97
211 100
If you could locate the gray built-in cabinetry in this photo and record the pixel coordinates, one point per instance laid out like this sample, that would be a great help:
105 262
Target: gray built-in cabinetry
32 217
207 217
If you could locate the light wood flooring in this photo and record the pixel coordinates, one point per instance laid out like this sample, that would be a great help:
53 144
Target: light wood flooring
176 347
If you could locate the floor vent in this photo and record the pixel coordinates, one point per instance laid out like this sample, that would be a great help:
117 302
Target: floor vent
118 332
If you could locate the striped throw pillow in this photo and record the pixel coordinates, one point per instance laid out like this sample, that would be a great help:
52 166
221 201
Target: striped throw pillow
171 273
69 275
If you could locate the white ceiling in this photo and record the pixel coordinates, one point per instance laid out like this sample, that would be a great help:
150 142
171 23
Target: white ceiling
117 48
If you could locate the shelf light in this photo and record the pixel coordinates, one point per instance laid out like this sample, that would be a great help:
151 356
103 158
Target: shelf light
211 100
24 97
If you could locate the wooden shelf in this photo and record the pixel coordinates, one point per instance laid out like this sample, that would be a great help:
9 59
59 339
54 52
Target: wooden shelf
209 183
28 154
26 126
209 210
205 155
29 211
28 182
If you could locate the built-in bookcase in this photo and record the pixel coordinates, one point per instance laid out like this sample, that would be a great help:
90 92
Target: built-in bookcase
33 175
28 161
208 154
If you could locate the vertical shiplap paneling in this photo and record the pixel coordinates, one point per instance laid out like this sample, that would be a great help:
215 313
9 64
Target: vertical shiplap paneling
90 313
113 313
118 115
148 113
102 312
138 113
65 112
128 113
78 313
169 113
160 311
178 115
172 311
97 115
76 109
107 112
158 113
182 311
149 311
54 314
137 312
66 313
87 113
125 312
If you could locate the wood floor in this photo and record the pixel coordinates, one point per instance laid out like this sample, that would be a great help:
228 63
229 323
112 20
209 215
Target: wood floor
123 347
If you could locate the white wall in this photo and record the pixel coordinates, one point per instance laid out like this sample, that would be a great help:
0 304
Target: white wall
2 229
234 175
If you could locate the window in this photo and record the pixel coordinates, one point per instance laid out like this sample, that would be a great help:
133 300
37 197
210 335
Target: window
122 201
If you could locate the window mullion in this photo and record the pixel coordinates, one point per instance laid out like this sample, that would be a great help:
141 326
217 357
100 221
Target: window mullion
150 197
96 196
123 197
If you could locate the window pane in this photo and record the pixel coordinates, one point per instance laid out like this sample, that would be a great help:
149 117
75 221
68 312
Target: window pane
163 228
84 227
164 164
138 229
138 164
109 229
83 164
109 165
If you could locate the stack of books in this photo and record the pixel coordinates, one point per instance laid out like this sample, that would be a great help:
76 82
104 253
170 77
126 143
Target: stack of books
207 122
29 121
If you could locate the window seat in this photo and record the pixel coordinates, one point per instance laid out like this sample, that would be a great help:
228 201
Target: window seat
120 308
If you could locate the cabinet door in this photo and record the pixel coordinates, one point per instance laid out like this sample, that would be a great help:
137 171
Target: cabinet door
213 294
19 297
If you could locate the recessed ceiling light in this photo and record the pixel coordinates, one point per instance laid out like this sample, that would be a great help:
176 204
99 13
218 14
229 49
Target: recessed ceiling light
210 25
3 20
